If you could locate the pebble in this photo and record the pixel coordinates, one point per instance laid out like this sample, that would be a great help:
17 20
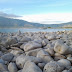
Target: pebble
36 52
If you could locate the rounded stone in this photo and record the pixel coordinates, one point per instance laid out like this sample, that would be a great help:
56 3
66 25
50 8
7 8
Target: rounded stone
61 48
12 67
65 62
52 66
7 57
31 67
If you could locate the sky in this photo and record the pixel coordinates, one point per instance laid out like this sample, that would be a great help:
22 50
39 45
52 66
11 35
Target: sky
40 11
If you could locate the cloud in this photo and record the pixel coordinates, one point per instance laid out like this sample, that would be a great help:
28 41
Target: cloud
7 12
50 18
8 15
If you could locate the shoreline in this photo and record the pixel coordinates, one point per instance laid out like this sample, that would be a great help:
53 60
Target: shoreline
8 30
36 28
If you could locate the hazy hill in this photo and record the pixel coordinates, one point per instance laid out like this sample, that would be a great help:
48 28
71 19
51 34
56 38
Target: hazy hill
8 22
11 23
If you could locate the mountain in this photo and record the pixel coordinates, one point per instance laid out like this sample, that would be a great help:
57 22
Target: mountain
16 23
9 22
67 25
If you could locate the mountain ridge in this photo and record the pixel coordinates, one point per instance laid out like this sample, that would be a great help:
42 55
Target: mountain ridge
10 22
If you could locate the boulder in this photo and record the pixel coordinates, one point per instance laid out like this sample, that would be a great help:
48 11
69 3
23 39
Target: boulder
31 46
45 42
10 41
38 41
25 39
61 48
44 56
22 46
7 57
50 51
31 67
33 52
16 52
21 60
50 37
52 66
3 67
64 62
58 56
12 67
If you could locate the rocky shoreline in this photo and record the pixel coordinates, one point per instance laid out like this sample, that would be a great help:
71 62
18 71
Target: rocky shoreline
36 52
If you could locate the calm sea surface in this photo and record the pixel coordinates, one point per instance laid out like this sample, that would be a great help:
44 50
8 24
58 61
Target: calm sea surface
30 30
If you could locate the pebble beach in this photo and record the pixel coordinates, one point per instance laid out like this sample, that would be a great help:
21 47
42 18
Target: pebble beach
36 52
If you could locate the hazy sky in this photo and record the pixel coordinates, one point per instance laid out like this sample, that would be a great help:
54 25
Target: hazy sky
42 11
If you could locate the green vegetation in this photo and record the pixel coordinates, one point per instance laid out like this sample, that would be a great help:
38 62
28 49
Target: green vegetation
49 27
66 27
